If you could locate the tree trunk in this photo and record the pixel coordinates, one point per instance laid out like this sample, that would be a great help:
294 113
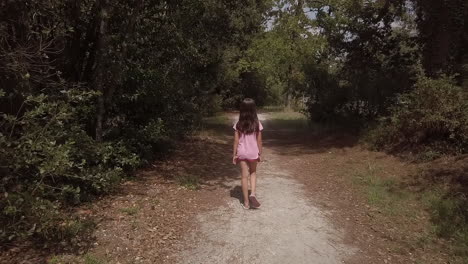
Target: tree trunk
464 73
99 83
117 70
464 51
89 47
298 13
299 8
289 99
288 88
74 48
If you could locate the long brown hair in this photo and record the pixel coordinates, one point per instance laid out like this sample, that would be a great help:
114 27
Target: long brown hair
248 119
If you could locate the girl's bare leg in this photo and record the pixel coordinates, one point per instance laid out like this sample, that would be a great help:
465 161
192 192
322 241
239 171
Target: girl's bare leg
245 182
253 177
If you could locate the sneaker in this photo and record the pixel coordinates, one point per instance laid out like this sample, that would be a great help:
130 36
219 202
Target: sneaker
243 206
254 202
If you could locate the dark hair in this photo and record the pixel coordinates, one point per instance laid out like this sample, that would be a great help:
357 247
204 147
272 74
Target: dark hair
248 119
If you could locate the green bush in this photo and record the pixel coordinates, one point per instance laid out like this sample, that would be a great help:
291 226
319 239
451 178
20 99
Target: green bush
48 161
211 105
25 215
433 115
83 104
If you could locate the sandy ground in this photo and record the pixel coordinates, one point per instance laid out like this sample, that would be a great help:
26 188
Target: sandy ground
288 228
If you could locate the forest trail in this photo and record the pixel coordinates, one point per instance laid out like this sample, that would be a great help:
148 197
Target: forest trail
288 228
325 199
116 135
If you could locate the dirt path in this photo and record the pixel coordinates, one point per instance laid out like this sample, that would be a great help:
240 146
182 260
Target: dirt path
287 229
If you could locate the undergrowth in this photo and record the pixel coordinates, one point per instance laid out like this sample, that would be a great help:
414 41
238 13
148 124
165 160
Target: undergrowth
431 119
448 211
449 214
382 193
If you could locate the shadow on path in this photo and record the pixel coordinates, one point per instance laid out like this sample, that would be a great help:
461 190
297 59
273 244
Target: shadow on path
297 137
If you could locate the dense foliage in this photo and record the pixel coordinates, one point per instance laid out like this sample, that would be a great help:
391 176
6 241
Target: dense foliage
357 60
434 114
91 89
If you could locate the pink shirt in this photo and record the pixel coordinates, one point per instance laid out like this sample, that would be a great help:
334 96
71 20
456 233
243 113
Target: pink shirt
248 147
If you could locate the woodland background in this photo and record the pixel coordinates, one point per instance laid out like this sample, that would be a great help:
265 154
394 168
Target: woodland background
91 90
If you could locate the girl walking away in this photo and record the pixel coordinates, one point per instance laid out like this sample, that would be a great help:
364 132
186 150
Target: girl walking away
247 150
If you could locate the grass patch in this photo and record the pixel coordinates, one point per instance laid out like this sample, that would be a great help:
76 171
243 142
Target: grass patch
288 120
287 115
382 193
90 259
70 259
75 228
217 119
427 155
448 211
299 122
189 181
449 215
217 126
54 260
130 210
272 108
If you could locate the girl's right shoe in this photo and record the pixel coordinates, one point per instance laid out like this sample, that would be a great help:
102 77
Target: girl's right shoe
245 207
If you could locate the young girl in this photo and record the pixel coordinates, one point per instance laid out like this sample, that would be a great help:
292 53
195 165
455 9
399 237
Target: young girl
247 149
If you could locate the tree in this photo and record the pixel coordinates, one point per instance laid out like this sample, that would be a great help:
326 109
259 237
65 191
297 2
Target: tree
443 33
90 90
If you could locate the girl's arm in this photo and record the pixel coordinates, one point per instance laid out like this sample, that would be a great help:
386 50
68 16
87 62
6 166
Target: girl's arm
234 147
260 144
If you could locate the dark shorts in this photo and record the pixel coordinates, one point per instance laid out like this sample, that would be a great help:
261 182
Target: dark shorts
247 160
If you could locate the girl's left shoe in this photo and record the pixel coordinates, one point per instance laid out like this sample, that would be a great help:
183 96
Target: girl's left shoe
254 202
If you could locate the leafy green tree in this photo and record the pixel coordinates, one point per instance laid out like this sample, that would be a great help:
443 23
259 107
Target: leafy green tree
90 90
